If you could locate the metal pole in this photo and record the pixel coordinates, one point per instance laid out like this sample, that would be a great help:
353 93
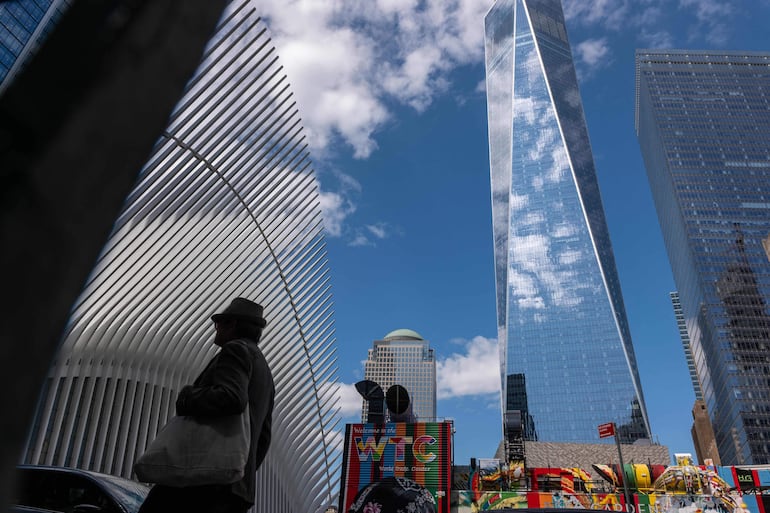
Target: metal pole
622 469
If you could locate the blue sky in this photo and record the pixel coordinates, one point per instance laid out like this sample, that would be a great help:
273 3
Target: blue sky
391 93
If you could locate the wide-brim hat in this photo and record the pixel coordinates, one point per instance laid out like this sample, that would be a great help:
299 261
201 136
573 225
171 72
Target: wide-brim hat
244 310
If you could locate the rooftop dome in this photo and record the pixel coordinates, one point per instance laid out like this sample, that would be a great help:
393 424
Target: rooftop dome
403 333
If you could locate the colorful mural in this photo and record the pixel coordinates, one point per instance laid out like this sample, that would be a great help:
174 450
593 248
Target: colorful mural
655 489
420 451
466 501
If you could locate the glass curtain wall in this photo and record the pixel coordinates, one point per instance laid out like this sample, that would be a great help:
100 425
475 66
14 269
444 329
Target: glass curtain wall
24 25
561 321
702 120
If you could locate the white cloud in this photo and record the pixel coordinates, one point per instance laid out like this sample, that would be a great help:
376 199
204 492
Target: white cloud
411 82
656 21
335 208
708 10
593 54
349 400
363 237
361 240
593 51
474 372
713 19
651 16
611 14
379 230
396 6
659 39
346 60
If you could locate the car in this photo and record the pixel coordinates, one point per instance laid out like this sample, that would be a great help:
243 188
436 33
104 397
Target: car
29 509
71 490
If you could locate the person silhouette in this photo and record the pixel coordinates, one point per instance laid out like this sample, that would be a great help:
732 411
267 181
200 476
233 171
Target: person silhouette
237 376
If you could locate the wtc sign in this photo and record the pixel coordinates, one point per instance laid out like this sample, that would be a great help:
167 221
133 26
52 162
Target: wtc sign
606 430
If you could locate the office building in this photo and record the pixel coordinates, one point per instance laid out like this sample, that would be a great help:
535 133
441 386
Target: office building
702 120
568 360
24 25
681 325
702 433
404 358
227 205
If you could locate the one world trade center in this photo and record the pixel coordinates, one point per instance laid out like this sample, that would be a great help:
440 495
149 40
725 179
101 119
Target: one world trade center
568 362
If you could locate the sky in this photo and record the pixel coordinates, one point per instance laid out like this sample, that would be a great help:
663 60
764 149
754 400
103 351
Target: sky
392 97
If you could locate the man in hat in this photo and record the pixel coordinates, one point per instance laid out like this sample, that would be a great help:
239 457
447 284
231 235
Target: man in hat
236 376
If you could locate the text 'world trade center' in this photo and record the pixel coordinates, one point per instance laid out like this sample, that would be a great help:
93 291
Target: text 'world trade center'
568 364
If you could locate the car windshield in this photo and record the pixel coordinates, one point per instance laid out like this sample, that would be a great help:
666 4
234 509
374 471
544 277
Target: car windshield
129 493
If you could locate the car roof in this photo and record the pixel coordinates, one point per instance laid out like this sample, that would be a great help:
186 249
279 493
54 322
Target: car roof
18 508
109 479
70 470
60 469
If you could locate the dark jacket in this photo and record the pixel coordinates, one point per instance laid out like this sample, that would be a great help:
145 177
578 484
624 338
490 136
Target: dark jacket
237 374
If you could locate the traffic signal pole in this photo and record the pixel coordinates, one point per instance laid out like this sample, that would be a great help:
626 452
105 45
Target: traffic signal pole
622 469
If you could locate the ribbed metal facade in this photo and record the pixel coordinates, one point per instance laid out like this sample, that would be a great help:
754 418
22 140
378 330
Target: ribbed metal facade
226 206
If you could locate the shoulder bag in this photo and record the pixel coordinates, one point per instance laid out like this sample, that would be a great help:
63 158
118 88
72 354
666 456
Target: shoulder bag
191 451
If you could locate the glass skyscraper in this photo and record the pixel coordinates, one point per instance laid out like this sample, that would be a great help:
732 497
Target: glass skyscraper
24 25
703 119
404 358
681 325
568 363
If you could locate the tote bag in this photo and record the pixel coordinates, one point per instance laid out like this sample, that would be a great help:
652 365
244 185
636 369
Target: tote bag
191 451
